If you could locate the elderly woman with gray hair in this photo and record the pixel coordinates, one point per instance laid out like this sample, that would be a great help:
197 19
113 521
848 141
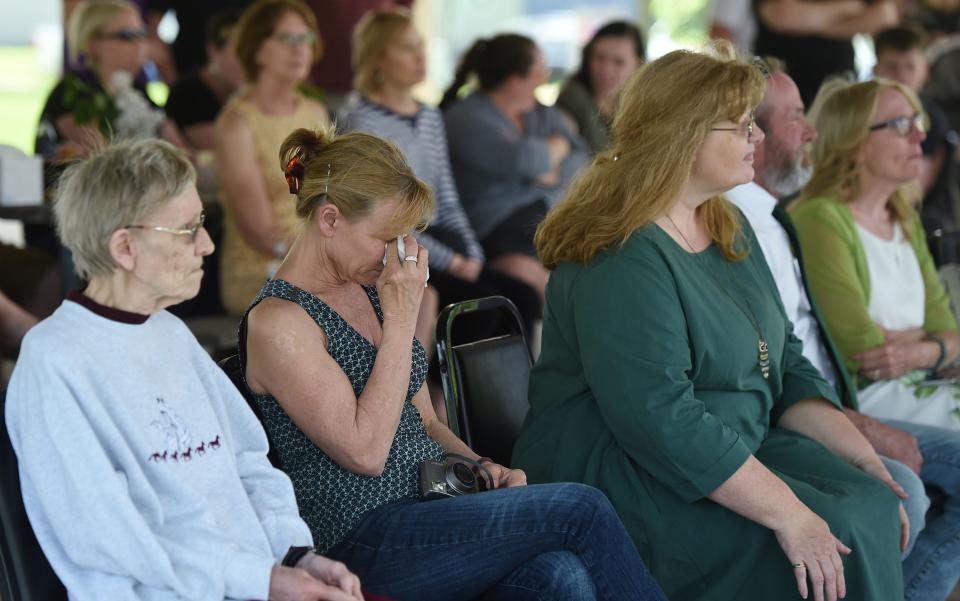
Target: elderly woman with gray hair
144 472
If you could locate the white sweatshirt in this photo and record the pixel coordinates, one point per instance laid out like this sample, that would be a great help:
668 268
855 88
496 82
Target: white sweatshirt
144 472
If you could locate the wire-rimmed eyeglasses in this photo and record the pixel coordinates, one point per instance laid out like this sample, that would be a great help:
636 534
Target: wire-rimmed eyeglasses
191 231
745 129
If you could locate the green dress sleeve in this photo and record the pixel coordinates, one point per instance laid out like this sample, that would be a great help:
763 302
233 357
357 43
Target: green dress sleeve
937 317
632 337
829 246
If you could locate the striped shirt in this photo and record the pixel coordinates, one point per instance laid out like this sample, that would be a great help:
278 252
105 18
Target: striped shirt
423 140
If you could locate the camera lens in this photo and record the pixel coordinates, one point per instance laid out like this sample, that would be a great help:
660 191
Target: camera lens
461 478
464 474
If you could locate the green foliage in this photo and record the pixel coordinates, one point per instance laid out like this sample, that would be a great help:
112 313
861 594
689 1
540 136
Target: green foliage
89 104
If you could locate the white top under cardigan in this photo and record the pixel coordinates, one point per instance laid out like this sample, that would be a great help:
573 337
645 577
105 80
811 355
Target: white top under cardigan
897 298
897 302
144 472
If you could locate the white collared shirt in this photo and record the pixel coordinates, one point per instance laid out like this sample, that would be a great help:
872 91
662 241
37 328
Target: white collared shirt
757 205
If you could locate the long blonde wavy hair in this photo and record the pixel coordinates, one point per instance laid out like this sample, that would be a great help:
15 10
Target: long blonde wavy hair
842 114
665 113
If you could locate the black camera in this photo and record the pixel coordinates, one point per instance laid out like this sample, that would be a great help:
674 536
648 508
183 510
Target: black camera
448 478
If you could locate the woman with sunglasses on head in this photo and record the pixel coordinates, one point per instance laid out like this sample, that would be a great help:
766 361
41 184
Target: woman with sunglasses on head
276 44
109 37
867 258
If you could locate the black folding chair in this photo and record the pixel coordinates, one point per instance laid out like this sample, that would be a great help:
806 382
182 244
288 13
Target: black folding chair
25 573
234 370
485 381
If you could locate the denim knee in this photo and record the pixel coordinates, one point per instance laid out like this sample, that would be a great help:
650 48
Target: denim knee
580 496
554 575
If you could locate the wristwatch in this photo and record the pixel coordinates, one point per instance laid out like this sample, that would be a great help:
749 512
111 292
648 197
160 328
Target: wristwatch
943 350
294 555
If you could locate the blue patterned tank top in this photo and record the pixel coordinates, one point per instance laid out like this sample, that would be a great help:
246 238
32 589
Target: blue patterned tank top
332 499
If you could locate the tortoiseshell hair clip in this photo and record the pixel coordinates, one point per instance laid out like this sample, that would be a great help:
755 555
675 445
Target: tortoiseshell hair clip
294 173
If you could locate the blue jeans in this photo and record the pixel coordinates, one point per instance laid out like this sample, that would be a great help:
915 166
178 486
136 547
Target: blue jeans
932 569
541 542
916 504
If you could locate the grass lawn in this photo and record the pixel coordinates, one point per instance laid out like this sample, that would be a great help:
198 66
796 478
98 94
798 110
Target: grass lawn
23 89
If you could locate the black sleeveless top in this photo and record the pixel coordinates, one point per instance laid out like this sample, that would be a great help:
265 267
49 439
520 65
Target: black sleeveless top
332 499
810 59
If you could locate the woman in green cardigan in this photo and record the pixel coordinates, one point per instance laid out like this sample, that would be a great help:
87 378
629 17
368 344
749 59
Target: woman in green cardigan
867 258
670 377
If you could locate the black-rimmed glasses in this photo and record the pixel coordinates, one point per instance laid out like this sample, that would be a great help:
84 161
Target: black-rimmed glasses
902 125
191 231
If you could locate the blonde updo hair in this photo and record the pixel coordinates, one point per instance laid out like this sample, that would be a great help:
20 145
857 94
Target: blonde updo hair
354 172
87 20
842 114
371 36
113 188
666 111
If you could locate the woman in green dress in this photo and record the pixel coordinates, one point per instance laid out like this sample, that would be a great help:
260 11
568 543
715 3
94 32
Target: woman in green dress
670 377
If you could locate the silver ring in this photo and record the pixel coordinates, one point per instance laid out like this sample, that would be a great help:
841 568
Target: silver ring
411 258
799 566
876 374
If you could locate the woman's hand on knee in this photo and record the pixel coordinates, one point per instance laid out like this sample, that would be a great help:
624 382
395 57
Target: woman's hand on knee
878 470
504 477
814 554
904 529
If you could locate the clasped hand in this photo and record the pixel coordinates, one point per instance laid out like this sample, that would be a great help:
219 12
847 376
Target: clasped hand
901 352
503 477
315 578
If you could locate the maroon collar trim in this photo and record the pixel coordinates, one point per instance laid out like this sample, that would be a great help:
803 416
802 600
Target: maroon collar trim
110 313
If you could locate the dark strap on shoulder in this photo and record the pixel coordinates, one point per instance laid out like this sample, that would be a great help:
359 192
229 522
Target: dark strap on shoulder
320 312
272 289
845 388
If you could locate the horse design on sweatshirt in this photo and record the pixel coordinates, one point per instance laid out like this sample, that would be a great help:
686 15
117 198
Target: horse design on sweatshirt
174 433
177 439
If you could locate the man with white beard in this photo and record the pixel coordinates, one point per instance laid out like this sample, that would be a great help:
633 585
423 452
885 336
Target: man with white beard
782 167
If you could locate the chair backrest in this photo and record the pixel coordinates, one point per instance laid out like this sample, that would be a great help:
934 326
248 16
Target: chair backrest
485 381
234 370
25 573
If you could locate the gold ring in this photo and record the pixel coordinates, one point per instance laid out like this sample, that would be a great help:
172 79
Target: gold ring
876 374
799 566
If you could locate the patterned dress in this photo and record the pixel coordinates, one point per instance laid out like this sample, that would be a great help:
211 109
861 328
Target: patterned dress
333 499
